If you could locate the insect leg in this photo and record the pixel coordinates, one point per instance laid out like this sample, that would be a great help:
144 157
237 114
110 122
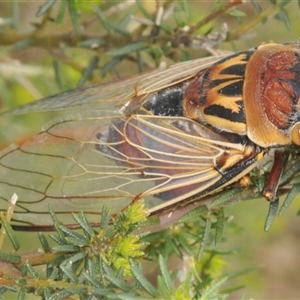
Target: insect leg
274 176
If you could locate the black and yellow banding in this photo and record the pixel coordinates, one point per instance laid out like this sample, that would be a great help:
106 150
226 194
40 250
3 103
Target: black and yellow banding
216 96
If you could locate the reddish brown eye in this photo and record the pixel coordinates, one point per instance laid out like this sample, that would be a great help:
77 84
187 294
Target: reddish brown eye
296 134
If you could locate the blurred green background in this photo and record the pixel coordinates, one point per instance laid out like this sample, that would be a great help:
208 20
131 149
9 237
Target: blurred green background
31 71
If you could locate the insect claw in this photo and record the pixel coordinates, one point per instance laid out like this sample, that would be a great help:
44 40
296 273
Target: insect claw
270 191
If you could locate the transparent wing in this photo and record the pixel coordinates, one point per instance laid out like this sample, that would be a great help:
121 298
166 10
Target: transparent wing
80 164
114 94
86 157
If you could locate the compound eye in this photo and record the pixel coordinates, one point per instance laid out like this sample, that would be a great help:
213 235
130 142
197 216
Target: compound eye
296 134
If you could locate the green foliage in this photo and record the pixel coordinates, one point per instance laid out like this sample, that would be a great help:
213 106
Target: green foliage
108 261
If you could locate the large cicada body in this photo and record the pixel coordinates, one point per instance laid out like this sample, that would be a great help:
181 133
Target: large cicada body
168 137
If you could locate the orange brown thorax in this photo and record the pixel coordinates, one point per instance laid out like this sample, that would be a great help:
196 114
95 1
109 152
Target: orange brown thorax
253 93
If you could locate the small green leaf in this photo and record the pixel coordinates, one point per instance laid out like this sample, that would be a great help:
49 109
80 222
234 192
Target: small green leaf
105 218
44 242
109 26
57 239
24 274
205 239
62 294
10 257
138 275
179 22
236 13
91 266
67 269
103 20
76 257
78 242
232 289
126 20
195 213
91 279
294 169
264 20
73 15
236 274
289 198
185 55
256 6
53 215
110 275
261 182
283 3
31 270
271 214
164 293
47 294
165 273
10 232
83 222
22 44
45 7
224 197
21 294
56 261
81 291
22 282
61 236
151 237
210 291
296 179
127 49
110 65
88 71
61 12
120 273
53 275
57 74
101 292
156 52
185 287
145 11
15 13
92 43
66 248
171 243
71 233
219 226
186 8
166 28
130 296
284 17
185 245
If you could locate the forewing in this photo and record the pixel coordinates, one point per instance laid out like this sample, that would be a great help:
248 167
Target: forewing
82 163
115 94
90 153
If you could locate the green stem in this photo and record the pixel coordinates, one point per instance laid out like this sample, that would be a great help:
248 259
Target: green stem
259 19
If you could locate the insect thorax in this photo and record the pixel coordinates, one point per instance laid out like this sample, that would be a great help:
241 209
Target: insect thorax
215 97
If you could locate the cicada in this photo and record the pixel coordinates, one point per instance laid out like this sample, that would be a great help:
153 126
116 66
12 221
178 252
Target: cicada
168 137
